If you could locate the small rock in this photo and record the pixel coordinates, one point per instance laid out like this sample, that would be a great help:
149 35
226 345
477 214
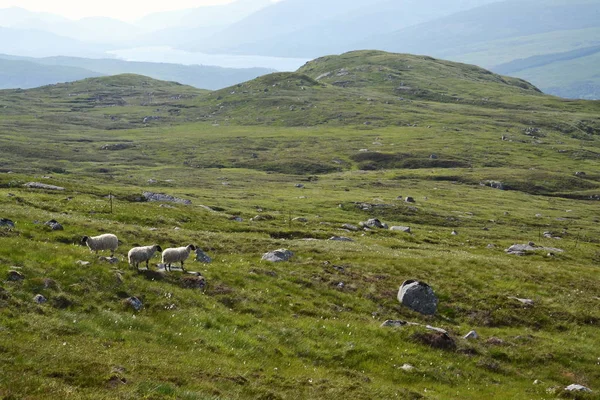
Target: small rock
341 239
495 341
39 299
134 303
404 229
110 260
119 277
454 233
278 255
300 219
527 302
350 227
193 282
577 388
394 323
82 263
491 246
54 225
471 335
299 185
15 276
202 257
37 185
7 223
149 196
580 173
418 296
372 223
409 200
407 368
237 219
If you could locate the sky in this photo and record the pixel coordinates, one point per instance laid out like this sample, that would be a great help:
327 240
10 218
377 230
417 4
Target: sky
127 10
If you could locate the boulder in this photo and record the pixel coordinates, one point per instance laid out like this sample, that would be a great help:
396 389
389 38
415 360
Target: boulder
193 282
373 223
39 299
15 276
149 196
116 146
410 200
202 256
110 260
527 302
577 388
418 296
278 255
404 229
350 227
54 225
7 223
530 248
133 302
300 219
471 335
37 185
341 239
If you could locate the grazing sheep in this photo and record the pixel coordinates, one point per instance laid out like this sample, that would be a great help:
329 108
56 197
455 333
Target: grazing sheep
107 241
176 254
140 254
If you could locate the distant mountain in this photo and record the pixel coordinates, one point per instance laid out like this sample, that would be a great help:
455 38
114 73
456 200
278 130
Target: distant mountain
37 43
72 68
311 28
26 74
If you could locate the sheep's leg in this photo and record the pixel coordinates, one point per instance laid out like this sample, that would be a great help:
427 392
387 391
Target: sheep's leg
147 267
182 269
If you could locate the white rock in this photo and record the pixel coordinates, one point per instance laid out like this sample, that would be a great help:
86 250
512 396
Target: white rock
471 335
577 388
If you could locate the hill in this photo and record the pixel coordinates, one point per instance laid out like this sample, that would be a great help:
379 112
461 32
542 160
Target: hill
200 76
296 161
25 75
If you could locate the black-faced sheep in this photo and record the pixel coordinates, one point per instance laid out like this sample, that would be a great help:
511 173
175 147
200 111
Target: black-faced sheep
107 241
176 254
141 254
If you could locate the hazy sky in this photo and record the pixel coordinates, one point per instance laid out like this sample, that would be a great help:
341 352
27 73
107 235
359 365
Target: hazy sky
122 9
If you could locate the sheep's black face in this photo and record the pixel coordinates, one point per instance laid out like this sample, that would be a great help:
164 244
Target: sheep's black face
158 248
84 240
192 247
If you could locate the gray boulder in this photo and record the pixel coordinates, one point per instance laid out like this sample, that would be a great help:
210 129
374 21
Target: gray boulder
350 227
341 239
202 256
37 185
418 296
404 229
577 388
410 200
7 223
15 276
149 196
54 225
530 248
39 299
373 223
133 302
278 255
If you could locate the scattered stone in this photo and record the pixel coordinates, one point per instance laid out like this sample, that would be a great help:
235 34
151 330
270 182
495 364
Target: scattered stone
151 181
341 239
527 302
237 218
350 227
433 157
278 255
166 206
62 302
37 185
418 296
193 282
407 367
110 260
7 223
39 299
262 217
494 184
491 246
580 173
373 223
118 278
134 303
299 186
15 276
54 225
494 341
471 335
485 228
454 233
436 340
404 229
409 200
149 196
300 219
202 257
116 146
530 248
537 382
82 263
577 388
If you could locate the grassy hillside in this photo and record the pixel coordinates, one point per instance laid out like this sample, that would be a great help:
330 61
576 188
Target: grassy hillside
294 150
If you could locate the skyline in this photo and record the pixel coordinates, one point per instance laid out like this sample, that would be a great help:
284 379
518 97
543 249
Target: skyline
125 11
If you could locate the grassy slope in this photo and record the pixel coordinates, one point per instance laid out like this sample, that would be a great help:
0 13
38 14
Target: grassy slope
291 330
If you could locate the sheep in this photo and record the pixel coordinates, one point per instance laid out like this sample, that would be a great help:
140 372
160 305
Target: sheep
107 241
140 254
176 254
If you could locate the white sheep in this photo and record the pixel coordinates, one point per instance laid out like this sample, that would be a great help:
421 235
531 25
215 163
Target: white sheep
107 241
176 254
141 254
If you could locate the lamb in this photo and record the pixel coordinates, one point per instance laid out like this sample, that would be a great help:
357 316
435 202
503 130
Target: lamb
176 254
107 241
140 254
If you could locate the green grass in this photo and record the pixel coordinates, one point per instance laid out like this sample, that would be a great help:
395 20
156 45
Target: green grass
290 330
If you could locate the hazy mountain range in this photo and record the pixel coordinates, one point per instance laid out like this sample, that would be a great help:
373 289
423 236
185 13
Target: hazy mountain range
552 43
